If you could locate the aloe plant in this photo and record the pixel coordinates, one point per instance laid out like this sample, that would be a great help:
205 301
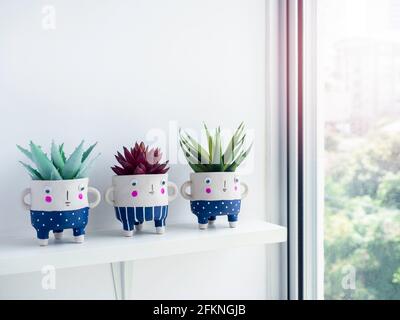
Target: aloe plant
58 166
211 158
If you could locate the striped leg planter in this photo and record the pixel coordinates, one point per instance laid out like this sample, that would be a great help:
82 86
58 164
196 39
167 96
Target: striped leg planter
140 198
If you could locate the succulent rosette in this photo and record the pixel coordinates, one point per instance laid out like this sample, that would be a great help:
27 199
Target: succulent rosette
140 160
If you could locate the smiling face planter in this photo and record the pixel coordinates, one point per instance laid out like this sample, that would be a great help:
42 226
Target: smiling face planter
140 198
57 205
214 194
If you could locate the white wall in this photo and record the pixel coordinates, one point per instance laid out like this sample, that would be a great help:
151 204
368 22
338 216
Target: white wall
111 71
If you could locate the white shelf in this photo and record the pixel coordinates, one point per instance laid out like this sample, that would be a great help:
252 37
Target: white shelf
21 255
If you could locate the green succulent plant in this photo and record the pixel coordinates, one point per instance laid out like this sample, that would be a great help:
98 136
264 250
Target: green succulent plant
58 166
213 159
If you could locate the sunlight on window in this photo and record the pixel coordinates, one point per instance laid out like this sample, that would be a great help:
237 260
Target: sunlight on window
359 94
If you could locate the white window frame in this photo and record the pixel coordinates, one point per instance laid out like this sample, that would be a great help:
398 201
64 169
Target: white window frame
314 161
276 148
304 151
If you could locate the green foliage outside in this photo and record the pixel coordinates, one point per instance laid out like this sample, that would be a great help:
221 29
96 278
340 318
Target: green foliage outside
362 215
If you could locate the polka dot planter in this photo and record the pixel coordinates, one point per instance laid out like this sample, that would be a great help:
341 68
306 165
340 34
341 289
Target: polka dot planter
214 194
140 198
56 205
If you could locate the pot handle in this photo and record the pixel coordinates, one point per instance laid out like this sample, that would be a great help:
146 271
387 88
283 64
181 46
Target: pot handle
172 197
97 195
184 194
24 193
245 190
107 195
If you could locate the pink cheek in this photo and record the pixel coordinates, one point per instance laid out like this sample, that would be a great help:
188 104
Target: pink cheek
80 196
162 190
208 190
48 199
134 193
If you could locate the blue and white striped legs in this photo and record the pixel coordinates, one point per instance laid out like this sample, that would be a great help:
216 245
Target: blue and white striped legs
132 218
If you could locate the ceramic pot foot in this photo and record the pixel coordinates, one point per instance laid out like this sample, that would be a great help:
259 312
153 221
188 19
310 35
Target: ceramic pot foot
128 233
233 224
43 242
79 239
203 226
160 230
139 227
211 222
58 235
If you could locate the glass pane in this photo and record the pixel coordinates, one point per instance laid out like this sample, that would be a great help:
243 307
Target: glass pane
358 67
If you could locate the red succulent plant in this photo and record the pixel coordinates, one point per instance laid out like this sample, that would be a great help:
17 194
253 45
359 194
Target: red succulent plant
140 160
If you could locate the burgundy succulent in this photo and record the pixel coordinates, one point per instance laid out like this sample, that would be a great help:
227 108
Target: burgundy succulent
140 160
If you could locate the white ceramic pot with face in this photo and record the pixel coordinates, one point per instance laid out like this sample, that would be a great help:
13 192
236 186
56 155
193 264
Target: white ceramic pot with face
56 205
214 194
139 198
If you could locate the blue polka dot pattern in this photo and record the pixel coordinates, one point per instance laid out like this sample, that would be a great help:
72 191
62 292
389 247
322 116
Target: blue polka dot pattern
57 221
209 210
133 216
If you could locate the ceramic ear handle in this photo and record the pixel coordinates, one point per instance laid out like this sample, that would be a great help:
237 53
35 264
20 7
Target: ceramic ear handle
172 197
184 194
97 197
245 190
24 193
107 196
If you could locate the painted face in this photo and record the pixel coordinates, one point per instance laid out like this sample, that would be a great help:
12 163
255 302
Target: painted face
140 190
215 186
229 184
59 195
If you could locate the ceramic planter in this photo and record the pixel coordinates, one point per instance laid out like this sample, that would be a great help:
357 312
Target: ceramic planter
56 205
140 198
214 194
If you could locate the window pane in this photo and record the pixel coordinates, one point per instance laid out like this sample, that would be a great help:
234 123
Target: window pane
358 67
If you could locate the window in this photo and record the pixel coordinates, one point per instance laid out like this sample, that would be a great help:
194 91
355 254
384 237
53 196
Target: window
357 47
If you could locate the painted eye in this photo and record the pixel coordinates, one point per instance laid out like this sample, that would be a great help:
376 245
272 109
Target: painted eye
207 180
81 187
134 182
236 180
47 190
163 182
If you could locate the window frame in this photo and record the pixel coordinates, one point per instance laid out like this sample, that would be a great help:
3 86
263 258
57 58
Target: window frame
304 152
313 161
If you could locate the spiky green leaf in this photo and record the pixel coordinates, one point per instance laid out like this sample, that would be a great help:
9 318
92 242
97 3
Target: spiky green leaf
27 153
33 173
62 152
43 164
231 149
217 156
87 152
202 155
73 163
210 143
86 166
56 157
239 159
